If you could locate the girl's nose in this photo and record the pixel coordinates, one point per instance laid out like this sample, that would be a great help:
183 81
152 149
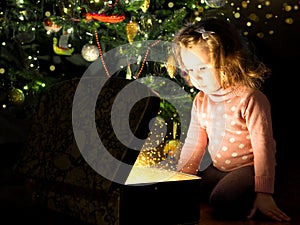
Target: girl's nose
196 75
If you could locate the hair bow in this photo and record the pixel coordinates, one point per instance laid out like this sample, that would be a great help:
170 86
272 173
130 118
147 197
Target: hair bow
205 34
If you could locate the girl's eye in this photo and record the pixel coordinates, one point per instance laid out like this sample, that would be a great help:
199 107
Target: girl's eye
201 68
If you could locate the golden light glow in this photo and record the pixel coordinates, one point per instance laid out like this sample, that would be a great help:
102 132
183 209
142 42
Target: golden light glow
289 20
253 17
287 8
237 15
269 15
244 4
260 35
52 68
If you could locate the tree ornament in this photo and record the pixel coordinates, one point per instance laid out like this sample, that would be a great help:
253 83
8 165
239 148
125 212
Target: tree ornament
171 66
62 47
145 5
132 28
63 40
90 52
104 18
49 25
16 96
215 3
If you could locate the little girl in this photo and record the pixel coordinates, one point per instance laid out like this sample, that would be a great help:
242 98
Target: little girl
230 118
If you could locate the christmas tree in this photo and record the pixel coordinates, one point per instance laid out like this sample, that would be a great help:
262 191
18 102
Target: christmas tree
44 42
47 41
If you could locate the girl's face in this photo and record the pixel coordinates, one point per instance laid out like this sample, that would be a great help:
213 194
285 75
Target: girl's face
197 64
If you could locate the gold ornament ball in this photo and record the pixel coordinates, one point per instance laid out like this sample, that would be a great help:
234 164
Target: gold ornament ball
16 96
90 52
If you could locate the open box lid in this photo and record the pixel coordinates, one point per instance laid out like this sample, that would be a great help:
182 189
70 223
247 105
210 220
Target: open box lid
115 134
141 175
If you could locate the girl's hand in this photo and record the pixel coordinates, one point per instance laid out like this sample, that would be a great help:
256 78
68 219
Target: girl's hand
265 203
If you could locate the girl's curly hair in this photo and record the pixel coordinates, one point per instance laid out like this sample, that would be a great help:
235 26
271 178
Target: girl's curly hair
229 51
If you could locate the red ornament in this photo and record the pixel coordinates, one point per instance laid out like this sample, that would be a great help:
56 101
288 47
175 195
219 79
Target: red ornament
104 18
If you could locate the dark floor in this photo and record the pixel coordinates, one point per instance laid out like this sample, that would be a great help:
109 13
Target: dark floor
16 207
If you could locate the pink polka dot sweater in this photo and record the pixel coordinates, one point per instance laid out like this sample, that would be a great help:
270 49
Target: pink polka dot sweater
236 127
